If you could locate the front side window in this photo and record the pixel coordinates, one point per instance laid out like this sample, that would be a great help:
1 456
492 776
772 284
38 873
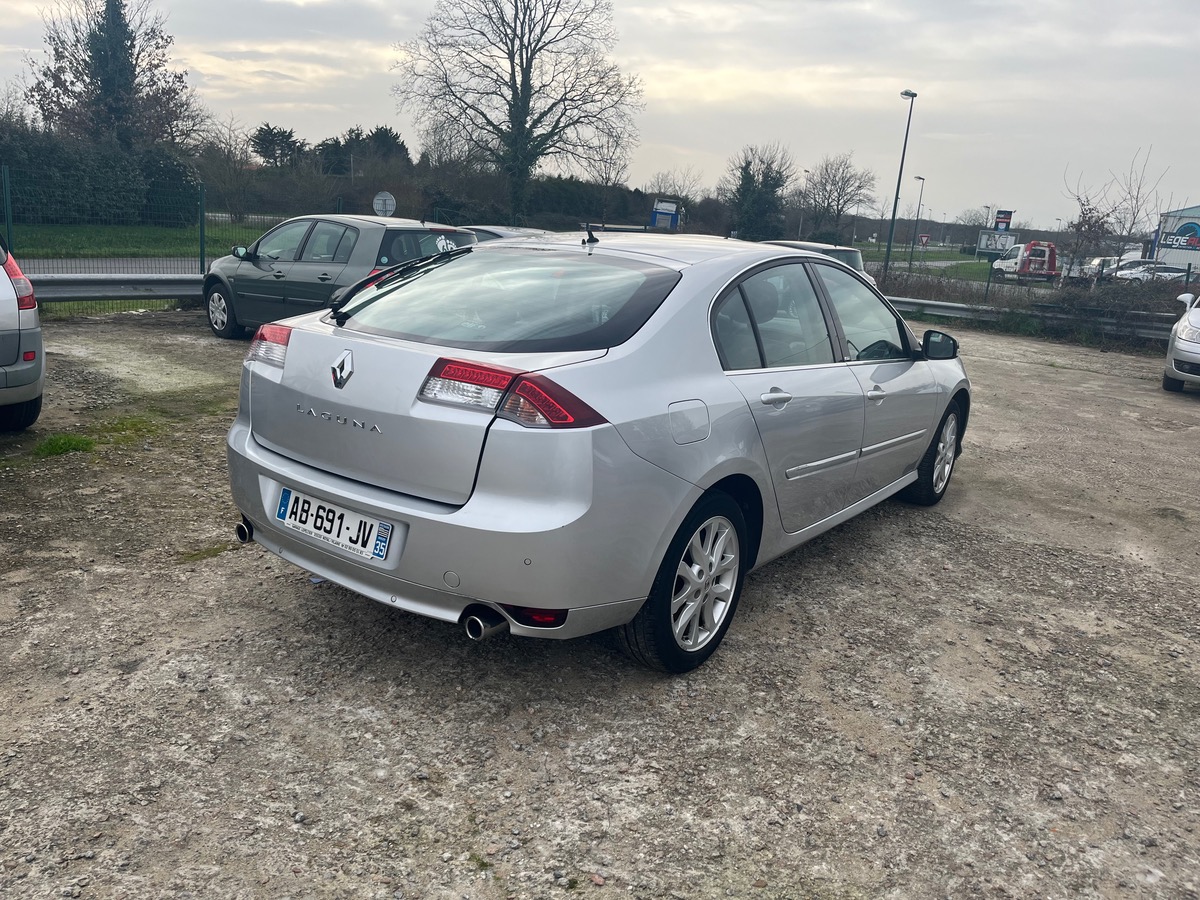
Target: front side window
284 241
872 330
513 300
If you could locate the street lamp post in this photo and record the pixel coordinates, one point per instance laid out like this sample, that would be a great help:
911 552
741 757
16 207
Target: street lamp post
917 224
910 96
803 200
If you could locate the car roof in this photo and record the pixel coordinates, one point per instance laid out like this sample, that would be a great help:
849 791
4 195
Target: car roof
386 221
674 249
810 245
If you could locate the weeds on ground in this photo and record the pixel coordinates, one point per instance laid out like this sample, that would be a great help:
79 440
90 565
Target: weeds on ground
60 444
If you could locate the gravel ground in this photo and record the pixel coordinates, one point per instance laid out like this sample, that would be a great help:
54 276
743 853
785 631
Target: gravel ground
994 697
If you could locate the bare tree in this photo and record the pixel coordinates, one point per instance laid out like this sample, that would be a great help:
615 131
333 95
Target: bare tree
608 166
106 74
833 188
226 163
521 81
1121 212
680 182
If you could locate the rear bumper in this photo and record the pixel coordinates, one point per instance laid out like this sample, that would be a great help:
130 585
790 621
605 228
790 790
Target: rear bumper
24 381
590 543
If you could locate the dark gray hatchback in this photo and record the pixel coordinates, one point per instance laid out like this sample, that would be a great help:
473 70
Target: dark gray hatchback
297 266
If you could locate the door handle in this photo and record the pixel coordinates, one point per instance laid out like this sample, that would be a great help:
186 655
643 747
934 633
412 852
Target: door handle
324 276
876 393
276 274
776 397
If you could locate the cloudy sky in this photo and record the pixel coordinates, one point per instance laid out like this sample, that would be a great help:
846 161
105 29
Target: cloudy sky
1018 101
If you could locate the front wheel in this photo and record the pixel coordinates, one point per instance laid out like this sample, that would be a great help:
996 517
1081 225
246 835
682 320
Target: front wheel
221 318
1174 385
696 591
937 465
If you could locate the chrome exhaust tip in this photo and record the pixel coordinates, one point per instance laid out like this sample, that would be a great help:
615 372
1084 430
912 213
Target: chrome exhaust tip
244 532
483 623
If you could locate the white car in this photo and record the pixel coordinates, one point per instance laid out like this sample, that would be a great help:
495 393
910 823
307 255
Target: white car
1144 270
1183 348
22 359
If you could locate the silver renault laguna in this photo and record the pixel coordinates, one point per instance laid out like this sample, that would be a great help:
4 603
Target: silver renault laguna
561 434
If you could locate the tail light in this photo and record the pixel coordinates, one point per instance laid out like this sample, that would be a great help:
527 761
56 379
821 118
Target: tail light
22 285
270 345
530 400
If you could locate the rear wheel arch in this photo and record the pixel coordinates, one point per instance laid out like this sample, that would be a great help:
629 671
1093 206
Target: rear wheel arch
745 493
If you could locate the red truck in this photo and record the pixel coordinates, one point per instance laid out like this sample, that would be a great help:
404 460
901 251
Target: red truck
1032 261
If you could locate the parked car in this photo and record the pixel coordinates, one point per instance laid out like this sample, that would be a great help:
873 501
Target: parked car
298 265
851 256
554 438
1145 270
1183 347
496 232
22 357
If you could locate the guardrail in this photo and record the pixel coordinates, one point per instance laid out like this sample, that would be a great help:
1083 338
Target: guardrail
1155 326
64 288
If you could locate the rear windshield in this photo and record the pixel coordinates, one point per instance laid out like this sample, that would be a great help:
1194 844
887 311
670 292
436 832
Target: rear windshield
852 258
515 300
401 245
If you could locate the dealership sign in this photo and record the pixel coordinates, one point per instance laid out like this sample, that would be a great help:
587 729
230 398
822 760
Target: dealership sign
1186 237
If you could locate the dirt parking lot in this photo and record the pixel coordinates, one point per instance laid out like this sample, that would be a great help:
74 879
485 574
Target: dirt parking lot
994 697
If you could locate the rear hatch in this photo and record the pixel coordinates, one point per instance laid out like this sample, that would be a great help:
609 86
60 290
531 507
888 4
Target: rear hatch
347 398
374 429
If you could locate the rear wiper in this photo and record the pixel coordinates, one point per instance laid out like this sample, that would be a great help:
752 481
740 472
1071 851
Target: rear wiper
390 274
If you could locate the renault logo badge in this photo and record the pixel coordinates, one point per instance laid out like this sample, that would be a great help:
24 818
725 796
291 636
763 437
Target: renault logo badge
342 369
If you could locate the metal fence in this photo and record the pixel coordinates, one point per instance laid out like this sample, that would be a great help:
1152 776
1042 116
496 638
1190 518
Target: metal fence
52 231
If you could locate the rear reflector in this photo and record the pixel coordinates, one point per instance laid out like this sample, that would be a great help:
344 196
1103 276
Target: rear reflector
270 345
530 400
29 355
536 618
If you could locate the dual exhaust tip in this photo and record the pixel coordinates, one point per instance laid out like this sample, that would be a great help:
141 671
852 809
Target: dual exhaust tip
482 623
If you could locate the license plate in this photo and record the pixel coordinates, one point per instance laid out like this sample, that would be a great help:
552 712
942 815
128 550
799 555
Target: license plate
327 522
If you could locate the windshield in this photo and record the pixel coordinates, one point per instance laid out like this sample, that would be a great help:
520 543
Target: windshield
515 300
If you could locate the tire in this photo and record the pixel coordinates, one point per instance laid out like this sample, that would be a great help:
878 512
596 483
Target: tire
20 416
937 465
688 612
997 274
1174 385
221 318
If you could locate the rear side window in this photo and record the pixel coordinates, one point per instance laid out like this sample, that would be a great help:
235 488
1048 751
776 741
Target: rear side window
513 300
402 245
329 242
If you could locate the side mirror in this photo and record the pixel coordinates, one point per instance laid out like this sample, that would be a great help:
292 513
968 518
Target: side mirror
242 253
1187 300
939 345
